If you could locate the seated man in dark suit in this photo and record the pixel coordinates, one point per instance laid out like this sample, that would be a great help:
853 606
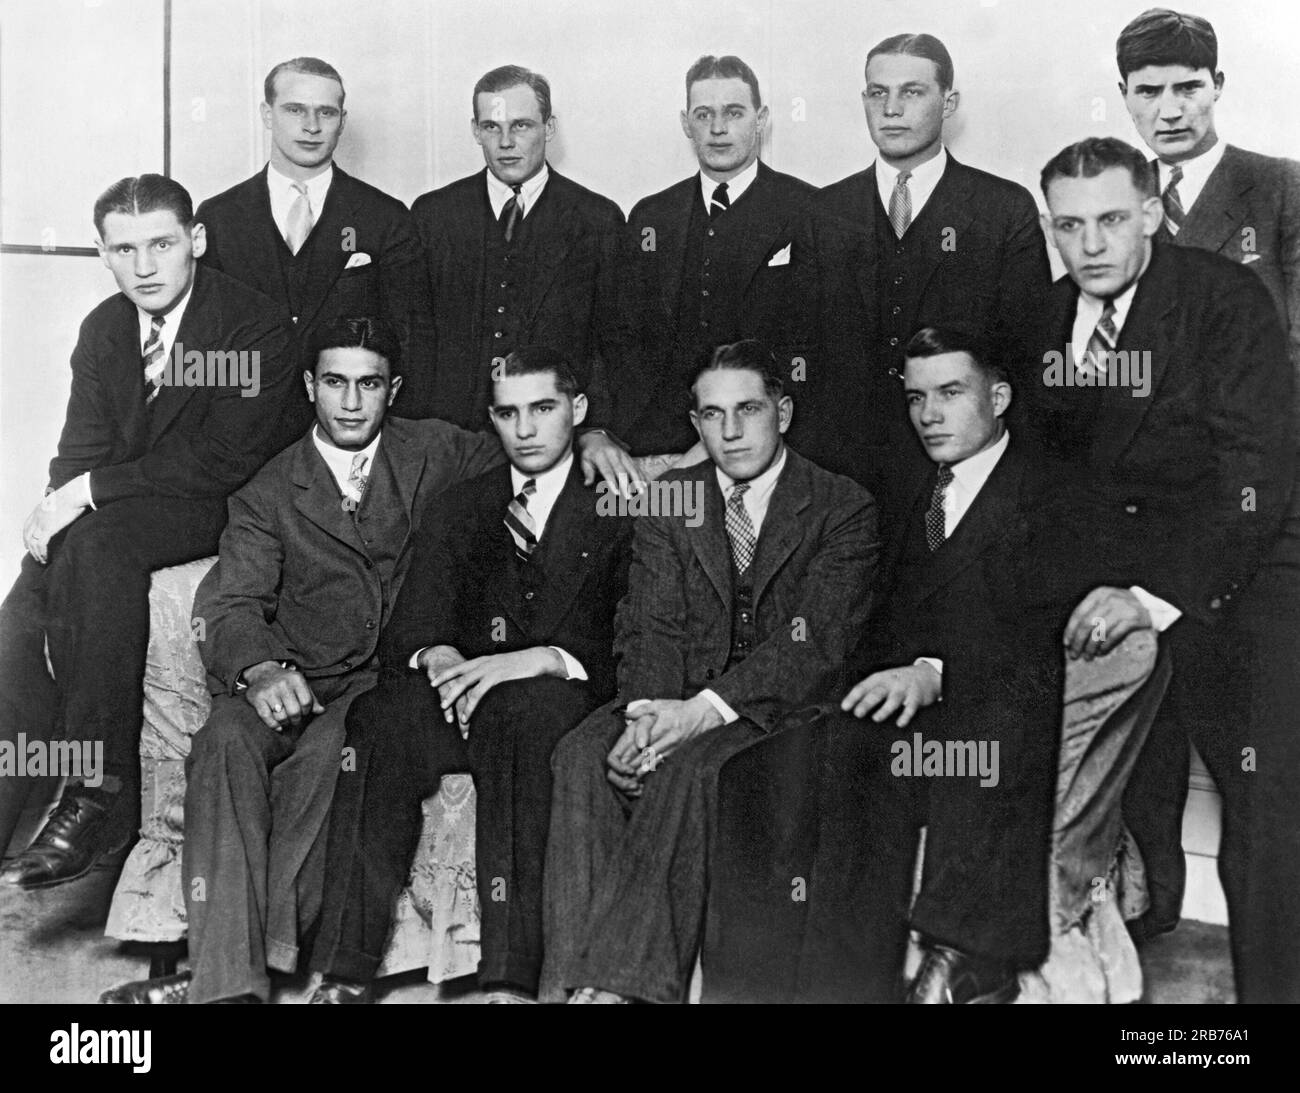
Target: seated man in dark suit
178 383
288 621
310 235
917 239
713 258
735 618
1246 207
517 255
503 633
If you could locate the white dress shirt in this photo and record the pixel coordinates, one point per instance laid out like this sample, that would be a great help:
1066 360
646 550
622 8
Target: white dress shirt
339 460
283 195
921 185
735 186
549 485
756 501
1196 173
500 192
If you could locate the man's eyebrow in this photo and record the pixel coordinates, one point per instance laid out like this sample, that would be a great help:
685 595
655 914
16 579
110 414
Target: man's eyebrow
1195 81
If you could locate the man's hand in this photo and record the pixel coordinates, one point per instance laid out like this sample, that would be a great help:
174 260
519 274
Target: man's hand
600 455
463 685
435 660
655 729
56 511
908 689
280 696
1104 618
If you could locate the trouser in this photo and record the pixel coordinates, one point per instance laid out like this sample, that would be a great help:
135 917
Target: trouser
91 604
256 811
403 746
626 881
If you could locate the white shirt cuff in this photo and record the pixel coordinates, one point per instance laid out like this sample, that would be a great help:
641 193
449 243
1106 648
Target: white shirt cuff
572 665
728 714
414 662
933 662
1163 614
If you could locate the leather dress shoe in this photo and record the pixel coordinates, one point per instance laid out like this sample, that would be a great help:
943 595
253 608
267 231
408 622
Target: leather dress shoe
72 842
340 992
949 976
169 990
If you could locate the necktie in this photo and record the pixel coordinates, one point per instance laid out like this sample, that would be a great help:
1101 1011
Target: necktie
300 219
740 528
935 530
153 360
900 204
721 200
1175 214
356 481
1102 343
521 525
510 213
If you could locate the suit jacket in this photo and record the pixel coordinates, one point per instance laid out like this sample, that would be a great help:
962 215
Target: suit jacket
198 442
357 219
1181 491
296 579
978 259
757 299
572 301
1249 212
812 576
467 589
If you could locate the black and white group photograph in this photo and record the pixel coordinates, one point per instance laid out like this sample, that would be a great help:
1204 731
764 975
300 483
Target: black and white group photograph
608 502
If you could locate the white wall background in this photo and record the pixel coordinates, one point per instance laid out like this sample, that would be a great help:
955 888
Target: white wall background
81 105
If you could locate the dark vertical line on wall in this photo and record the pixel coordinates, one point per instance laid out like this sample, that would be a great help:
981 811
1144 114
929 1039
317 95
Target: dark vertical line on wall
167 88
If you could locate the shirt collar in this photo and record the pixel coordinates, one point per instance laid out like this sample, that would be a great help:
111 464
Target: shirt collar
1090 305
925 177
735 186
500 192
549 483
1196 172
339 460
171 321
317 186
760 486
974 471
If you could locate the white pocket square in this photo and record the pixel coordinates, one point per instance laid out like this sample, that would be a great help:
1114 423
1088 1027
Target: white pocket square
361 258
1246 259
781 257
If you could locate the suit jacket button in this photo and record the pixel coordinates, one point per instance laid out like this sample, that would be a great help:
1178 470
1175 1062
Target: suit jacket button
712 233
529 595
347 665
1131 509
369 564
1215 603
710 674
370 624
893 341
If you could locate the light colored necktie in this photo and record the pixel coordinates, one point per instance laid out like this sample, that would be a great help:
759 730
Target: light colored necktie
720 202
300 220
935 521
1175 214
522 527
740 528
154 360
900 204
357 478
1101 344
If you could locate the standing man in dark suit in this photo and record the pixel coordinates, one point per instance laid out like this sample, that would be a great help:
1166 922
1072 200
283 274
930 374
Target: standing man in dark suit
712 259
317 547
1246 207
917 239
504 632
304 232
734 621
517 255
178 382
960 619
1164 380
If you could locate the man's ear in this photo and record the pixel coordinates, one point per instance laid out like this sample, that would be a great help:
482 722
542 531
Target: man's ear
103 252
763 115
784 412
343 119
579 409
473 132
1001 392
198 239
549 128
265 109
393 389
695 421
1153 215
309 379
686 125
1045 222
1218 85
1123 89
950 103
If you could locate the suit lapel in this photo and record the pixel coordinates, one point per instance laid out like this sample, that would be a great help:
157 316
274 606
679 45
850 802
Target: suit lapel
556 233
318 498
571 527
326 256
403 462
671 243
768 222
949 208
196 332
782 529
1220 209
709 539
869 209
128 362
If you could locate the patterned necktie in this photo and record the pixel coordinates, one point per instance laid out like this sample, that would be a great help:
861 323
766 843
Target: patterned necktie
900 204
300 220
1105 336
521 525
510 213
1175 214
935 530
721 200
153 360
740 528
357 479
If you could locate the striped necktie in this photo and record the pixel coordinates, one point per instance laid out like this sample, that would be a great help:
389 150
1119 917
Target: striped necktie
721 200
1101 344
522 527
510 213
900 205
300 220
356 485
740 528
1175 214
153 360
935 522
